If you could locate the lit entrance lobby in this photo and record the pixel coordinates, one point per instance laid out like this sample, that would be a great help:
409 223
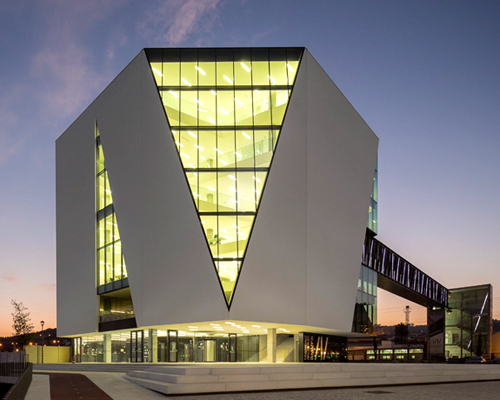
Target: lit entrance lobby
222 341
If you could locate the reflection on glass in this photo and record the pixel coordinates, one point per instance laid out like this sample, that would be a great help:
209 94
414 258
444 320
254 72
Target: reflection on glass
225 108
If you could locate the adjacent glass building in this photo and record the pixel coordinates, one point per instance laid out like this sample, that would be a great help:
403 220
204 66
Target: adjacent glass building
468 322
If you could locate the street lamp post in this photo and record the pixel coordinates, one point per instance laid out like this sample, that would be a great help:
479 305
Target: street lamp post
42 323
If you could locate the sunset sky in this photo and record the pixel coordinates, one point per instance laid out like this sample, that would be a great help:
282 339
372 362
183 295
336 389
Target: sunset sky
423 74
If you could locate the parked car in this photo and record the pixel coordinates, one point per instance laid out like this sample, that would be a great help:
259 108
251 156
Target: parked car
475 360
496 360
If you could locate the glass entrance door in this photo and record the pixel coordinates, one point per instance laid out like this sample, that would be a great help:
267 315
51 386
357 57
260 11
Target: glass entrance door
205 349
173 345
77 349
136 346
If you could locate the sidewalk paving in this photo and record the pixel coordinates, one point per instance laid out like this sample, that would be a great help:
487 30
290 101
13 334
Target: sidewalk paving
114 386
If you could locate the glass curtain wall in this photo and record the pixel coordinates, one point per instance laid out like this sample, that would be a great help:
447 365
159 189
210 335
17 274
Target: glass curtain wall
111 270
373 209
365 312
225 108
468 322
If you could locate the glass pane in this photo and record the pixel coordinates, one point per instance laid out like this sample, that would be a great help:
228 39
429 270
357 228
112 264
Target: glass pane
109 264
225 105
243 73
263 148
193 185
209 224
124 267
157 74
225 149
170 101
101 260
176 136
206 73
171 74
208 191
261 109
260 73
99 160
208 141
245 149
117 261
189 74
189 149
101 233
245 224
227 232
225 74
108 229
279 101
246 191
189 108
227 192
207 108
228 273
100 191
243 107
292 67
278 75
260 180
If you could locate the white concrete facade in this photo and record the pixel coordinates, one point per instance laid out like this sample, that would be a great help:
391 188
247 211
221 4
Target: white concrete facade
302 263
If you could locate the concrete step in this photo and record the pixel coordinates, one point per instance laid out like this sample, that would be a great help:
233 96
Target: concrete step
221 378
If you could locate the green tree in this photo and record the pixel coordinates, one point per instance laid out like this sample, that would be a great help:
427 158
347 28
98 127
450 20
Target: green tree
23 328
401 332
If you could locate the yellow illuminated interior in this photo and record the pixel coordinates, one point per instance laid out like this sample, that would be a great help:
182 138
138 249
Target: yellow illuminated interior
225 115
110 260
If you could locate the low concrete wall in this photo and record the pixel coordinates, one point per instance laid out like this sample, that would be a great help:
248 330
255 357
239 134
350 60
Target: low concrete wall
20 388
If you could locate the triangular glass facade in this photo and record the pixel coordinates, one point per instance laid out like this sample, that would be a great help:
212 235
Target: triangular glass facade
225 108
111 269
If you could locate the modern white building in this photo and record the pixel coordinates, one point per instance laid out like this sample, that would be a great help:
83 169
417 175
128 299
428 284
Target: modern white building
212 205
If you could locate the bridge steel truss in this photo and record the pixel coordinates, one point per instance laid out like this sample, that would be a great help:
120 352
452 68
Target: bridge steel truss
397 275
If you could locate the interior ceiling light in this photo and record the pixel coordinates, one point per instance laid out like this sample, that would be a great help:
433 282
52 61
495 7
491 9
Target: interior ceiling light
223 162
244 134
199 69
185 81
197 101
245 66
224 111
210 120
238 101
192 134
158 72
289 67
213 92
173 94
232 177
227 79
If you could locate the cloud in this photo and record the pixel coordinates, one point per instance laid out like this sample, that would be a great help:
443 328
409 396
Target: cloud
47 286
68 79
10 278
173 21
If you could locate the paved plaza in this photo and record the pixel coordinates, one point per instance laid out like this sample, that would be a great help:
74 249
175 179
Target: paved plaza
114 386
